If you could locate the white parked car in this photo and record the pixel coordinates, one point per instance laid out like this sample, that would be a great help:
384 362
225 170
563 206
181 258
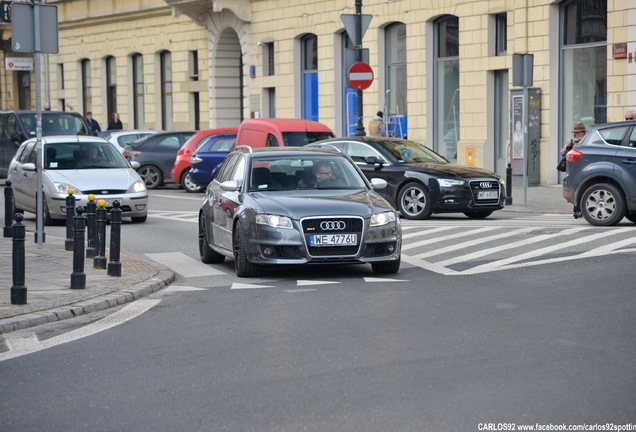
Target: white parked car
89 165
121 137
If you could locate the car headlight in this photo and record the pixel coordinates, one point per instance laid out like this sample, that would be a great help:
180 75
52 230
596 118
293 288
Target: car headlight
63 188
450 183
138 186
379 219
274 221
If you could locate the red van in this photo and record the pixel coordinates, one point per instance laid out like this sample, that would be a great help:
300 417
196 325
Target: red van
274 132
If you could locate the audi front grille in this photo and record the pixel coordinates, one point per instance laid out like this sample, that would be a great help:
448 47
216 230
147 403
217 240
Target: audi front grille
332 225
487 185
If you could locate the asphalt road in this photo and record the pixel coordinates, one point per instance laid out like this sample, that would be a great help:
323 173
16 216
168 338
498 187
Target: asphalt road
336 349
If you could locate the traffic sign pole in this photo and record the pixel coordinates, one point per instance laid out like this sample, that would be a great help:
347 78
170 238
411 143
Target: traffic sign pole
358 45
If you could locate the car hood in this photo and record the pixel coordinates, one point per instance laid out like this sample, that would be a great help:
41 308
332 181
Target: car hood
450 170
94 179
297 204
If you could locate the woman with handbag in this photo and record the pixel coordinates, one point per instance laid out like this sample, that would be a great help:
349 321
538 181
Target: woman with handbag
579 132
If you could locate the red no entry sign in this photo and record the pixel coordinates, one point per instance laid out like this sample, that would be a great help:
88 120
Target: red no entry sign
360 76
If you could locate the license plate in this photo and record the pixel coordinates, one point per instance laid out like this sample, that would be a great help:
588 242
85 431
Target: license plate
110 201
333 240
488 195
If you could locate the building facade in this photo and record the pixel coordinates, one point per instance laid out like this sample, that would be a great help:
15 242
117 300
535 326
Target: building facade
443 69
130 57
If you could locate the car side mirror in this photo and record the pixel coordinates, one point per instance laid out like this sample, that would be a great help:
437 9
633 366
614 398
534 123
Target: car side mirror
29 166
374 160
230 186
134 164
378 183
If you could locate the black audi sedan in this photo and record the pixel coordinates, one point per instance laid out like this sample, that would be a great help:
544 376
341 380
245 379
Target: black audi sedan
296 205
420 182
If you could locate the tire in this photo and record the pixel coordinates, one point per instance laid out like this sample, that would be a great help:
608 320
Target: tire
386 267
47 220
242 265
151 175
478 214
139 219
631 217
207 254
603 204
414 201
188 184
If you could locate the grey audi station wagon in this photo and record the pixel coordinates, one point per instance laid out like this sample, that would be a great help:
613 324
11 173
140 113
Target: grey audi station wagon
294 205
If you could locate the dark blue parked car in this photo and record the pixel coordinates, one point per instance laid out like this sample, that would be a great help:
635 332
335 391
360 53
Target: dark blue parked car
209 155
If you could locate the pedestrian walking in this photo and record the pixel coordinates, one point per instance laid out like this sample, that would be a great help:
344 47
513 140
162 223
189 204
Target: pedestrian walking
578 132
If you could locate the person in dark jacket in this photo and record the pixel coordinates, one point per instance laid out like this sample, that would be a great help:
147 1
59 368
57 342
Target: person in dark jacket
115 123
93 126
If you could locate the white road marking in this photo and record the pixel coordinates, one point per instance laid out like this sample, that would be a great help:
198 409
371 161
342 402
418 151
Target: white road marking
184 265
21 344
237 285
179 197
374 279
314 282
448 237
179 288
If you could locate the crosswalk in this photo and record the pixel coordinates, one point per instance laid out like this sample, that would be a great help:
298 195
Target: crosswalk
459 246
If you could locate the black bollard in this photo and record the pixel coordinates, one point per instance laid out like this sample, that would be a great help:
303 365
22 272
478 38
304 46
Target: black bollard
99 261
509 185
91 226
114 266
70 213
78 277
8 209
19 289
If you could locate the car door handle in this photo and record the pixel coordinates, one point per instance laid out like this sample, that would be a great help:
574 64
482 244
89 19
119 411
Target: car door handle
629 161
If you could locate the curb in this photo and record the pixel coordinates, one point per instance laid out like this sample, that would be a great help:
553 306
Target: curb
162 279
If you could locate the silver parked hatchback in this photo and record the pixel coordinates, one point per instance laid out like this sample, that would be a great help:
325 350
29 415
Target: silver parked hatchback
89 165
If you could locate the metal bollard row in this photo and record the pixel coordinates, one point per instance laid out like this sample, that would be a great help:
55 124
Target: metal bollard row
70 213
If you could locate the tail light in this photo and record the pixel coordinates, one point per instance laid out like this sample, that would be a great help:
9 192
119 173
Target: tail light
131 153
574 155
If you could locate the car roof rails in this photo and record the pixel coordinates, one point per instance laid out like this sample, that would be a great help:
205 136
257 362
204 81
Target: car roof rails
328 147
245 147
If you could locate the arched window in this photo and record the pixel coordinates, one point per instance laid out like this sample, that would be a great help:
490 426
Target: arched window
446 88
395 72
309 71
583 63
87 98
165 60
138 91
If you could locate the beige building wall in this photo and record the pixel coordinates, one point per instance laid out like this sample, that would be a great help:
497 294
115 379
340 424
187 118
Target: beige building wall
94 30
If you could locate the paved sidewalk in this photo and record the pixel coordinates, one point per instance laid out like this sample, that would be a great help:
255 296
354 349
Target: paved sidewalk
48 272
48 280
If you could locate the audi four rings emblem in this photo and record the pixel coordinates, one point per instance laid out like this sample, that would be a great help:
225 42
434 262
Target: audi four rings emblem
485 185
332 225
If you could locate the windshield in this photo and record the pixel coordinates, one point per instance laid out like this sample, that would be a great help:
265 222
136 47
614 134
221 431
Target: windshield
405 151
55 124
306 172
74 155
300 139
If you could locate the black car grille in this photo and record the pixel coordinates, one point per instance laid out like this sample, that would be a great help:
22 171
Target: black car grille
332 225
105 192
283 252
487 185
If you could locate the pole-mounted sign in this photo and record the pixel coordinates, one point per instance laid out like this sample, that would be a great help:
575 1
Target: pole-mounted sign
360 76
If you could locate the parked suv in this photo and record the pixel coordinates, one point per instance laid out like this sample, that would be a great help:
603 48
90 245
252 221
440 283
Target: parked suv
601 174
19 126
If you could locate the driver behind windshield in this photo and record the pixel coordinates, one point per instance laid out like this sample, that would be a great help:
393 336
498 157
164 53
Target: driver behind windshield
320 172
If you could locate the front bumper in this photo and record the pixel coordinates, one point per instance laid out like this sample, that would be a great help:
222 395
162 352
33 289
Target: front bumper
131 204
270 246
